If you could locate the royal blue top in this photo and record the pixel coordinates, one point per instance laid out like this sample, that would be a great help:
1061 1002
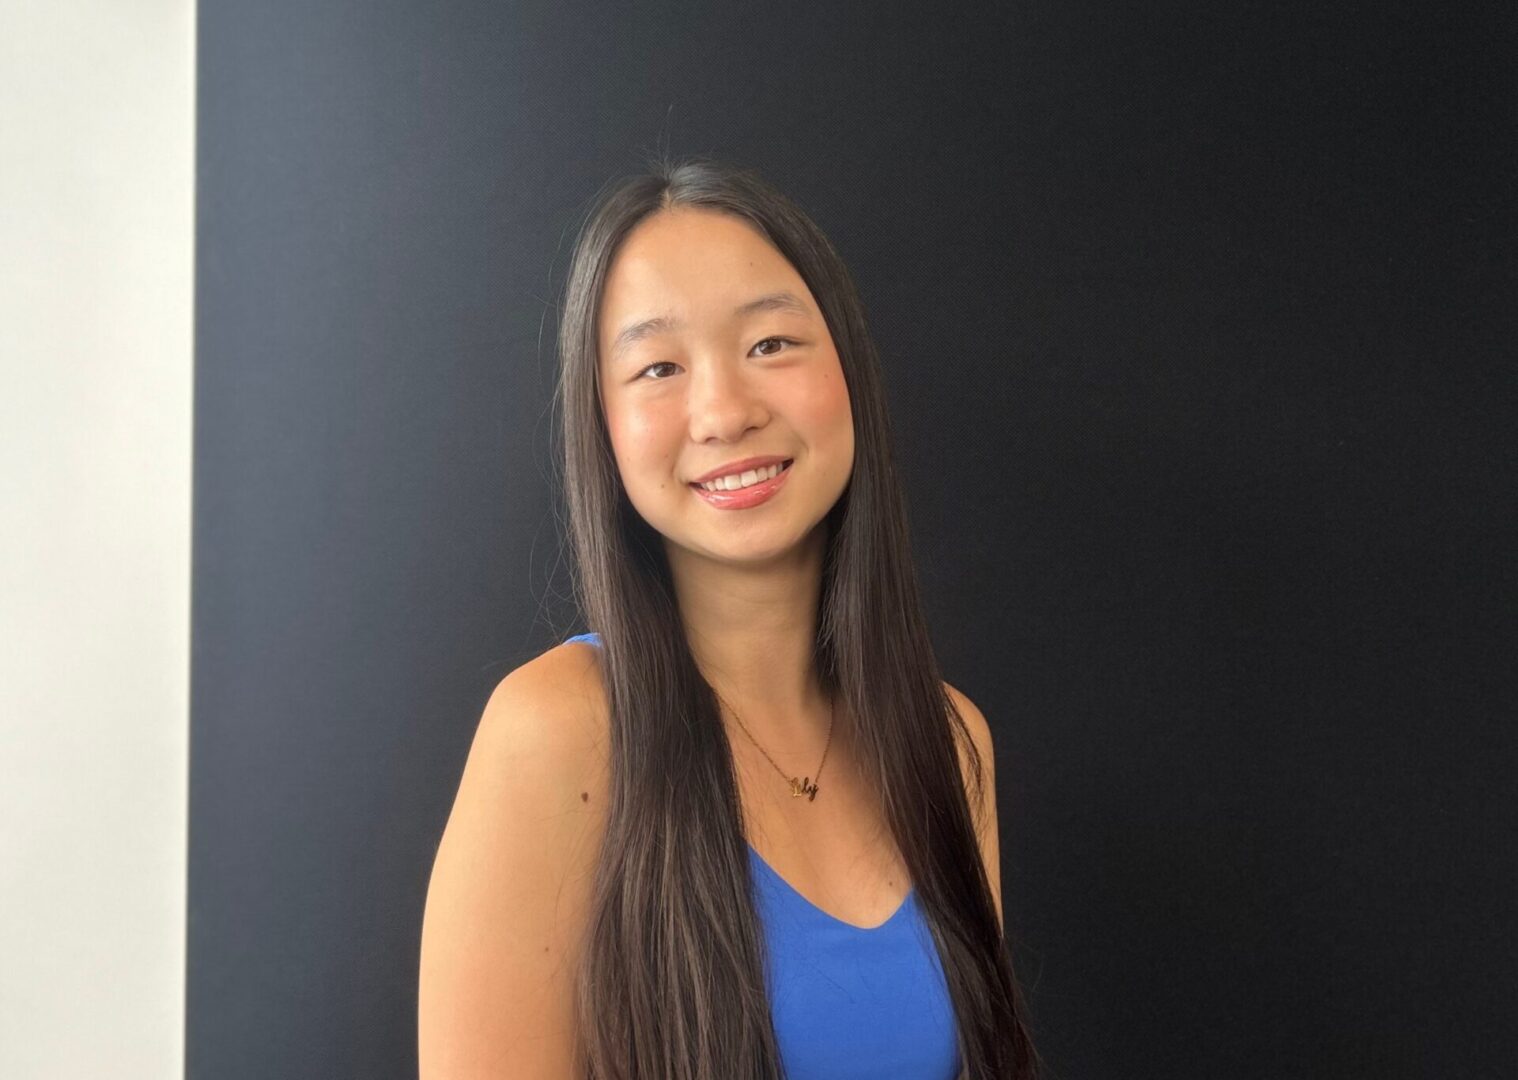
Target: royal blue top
850 1001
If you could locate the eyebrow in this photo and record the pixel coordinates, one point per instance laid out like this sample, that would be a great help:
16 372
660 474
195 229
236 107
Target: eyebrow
633 333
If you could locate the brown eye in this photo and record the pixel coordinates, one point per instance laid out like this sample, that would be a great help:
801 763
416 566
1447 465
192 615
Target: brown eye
661 363
787 341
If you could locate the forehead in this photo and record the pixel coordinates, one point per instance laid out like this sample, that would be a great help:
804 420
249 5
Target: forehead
692 264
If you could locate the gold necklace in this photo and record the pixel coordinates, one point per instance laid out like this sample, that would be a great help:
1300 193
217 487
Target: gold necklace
805 785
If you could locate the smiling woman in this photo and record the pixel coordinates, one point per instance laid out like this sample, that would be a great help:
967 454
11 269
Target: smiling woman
626 887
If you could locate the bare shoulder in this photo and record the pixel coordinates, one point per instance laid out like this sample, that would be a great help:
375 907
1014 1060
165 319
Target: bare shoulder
982 808
545 725
564 685
980 731
511 885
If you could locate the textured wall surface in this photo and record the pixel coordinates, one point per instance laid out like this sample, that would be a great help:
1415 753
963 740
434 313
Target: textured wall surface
1190 319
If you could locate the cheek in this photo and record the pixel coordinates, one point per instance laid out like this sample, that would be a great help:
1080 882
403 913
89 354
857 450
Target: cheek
640 440
826 408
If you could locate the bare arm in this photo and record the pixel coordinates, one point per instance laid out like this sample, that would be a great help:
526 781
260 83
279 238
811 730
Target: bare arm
510 887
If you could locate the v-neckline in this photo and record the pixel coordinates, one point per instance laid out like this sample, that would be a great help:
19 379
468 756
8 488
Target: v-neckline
775 874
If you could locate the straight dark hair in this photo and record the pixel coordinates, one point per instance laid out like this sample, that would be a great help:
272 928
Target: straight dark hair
671 982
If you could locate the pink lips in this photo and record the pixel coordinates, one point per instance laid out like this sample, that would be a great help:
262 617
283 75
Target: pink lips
744 498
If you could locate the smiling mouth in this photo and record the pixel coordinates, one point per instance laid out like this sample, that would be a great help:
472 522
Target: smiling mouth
699 486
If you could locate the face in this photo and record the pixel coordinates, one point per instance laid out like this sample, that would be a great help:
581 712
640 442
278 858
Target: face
716 379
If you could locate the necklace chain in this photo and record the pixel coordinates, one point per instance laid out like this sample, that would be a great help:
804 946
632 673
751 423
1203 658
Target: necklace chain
799 786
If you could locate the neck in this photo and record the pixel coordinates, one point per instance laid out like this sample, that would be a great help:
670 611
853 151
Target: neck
752 628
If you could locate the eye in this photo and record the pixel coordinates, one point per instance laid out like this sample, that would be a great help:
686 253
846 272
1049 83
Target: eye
788 341
660 363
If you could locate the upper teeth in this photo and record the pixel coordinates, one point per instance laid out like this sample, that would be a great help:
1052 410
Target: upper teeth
743 479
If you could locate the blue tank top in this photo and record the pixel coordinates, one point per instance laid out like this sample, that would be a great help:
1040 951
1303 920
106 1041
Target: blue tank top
849 1001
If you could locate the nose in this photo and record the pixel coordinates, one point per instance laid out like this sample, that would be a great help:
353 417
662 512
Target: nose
723 403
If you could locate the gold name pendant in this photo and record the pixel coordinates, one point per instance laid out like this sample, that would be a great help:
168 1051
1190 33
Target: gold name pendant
805 787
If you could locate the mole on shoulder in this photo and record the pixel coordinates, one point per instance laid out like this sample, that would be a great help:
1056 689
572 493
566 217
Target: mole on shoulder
585 796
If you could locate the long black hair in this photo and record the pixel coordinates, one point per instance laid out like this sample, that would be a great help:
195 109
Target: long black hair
671 983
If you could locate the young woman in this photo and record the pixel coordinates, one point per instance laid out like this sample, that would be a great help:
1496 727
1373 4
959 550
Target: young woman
742 829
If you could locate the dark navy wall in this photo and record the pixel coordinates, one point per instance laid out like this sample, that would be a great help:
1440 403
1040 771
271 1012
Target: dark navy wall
1194 325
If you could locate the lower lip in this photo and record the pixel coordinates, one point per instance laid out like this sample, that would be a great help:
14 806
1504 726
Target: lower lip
744 498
